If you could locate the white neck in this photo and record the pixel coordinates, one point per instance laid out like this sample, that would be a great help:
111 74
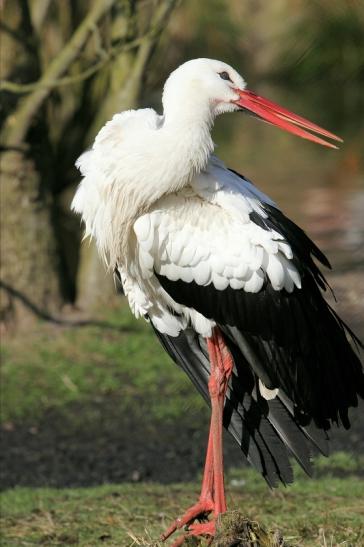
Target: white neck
188 135
178 150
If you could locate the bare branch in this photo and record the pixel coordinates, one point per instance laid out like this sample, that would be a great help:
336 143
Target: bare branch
39 11
18 122
16 35
47 316
16 88
126 76
157 24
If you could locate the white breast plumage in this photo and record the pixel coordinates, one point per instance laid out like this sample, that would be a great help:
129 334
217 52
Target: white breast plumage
204 234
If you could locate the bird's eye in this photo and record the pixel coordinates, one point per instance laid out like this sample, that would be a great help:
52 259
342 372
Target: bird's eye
225 76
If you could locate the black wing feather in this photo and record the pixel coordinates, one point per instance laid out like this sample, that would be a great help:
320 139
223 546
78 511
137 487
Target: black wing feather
244 417
266 431
293 341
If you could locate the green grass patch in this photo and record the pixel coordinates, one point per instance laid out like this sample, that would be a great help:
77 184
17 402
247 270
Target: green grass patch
84 406
58 365
307 513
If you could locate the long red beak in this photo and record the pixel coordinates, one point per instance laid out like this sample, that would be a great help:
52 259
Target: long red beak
276 115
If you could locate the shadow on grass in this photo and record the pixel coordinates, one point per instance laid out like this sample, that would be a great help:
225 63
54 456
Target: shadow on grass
89 443
98 441
43 314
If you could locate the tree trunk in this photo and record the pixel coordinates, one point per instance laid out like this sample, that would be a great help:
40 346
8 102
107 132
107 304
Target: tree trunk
122 88
31 273
95 286
34 263
29 266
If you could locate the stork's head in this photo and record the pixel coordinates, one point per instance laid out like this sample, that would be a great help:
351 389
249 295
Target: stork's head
202 84
203 88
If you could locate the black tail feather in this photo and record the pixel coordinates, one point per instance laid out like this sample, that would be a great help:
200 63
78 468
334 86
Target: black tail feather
318 437
266 431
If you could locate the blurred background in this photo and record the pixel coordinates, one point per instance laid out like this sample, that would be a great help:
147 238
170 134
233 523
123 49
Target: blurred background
88 395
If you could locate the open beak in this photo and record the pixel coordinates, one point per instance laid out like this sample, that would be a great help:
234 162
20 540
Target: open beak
276 115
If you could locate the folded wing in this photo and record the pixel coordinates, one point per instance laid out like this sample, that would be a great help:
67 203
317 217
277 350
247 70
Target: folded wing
223 251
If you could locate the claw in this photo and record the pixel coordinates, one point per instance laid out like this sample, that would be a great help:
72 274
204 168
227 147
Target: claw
201 529
198 511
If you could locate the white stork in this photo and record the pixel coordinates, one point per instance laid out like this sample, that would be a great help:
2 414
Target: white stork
226 280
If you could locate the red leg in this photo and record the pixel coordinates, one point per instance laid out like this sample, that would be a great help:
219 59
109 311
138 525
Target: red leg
221 369
205 504
212 497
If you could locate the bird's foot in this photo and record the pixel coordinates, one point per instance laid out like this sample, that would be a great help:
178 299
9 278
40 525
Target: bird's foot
201 529
200 511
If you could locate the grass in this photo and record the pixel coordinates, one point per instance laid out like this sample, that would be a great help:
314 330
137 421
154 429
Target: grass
96 421
130 514
56 366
